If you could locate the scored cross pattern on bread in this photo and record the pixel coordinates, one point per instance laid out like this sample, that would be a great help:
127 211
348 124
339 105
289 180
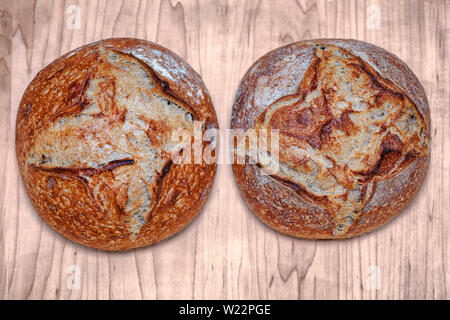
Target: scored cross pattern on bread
338 137
115 137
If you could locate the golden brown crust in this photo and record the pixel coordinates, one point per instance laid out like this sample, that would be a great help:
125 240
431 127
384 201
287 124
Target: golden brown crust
92 143
330 184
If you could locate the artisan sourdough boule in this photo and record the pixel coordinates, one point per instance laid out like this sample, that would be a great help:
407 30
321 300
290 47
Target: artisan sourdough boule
94 143
354 137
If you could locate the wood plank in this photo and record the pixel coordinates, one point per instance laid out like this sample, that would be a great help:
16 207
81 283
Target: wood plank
226 253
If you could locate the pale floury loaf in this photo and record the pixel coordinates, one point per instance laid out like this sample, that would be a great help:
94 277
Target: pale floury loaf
354 137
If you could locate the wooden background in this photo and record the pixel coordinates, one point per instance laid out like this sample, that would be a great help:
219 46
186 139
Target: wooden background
226 253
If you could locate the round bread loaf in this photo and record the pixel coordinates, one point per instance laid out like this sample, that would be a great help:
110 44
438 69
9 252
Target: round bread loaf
353 128
95 148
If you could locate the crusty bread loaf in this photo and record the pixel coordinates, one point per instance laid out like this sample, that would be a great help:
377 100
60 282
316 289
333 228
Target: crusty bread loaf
354 137
94 145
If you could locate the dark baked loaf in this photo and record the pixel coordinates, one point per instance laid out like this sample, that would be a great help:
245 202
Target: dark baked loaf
354 137
94 145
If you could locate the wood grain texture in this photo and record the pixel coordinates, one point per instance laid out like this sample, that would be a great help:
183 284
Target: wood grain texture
226 253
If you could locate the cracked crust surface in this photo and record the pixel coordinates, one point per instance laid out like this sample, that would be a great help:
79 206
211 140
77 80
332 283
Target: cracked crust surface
354 137
94 147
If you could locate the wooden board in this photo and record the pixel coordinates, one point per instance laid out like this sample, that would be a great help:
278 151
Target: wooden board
226 253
